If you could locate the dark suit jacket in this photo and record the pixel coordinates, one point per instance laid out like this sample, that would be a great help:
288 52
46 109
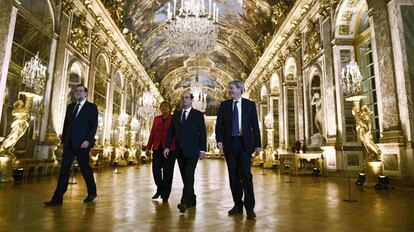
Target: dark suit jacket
250 125
158 134
83 127
190 135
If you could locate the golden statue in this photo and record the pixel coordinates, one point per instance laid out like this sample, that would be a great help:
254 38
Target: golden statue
363 127
132 154
18 127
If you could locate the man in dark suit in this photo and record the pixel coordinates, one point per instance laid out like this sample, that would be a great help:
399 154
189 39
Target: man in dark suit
189 131
78 137
238 134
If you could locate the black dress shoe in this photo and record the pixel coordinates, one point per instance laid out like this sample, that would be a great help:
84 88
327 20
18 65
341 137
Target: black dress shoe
250 214
52 203
156 195
89 198
182 207
236 210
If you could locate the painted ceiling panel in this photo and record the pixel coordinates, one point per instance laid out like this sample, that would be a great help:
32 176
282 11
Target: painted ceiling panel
244 27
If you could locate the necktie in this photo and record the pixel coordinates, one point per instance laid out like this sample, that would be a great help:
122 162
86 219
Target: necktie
75 111
183 116
235 120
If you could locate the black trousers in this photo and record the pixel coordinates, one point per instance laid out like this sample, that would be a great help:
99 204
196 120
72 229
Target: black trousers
69 155
238 165
187 167
163 171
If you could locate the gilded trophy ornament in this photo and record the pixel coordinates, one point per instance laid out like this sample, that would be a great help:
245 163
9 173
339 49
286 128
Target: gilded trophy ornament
116 9
79 36
18 128
313 45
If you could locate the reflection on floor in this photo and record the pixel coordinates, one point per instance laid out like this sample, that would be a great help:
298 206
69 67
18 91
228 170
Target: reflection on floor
124 204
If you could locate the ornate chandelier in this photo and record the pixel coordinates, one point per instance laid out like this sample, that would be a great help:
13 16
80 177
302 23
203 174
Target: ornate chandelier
200 98
351 79
193 31
146 108
34 75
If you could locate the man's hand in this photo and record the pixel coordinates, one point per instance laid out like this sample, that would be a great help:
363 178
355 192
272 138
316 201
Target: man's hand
220 145
166 152
85 144
257 151
202 155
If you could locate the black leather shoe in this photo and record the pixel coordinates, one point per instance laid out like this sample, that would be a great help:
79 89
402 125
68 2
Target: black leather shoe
182 207
89 198
52 203
250 214
156 195
236 210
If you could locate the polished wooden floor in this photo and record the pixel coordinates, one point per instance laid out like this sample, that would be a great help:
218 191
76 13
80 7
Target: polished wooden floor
124 204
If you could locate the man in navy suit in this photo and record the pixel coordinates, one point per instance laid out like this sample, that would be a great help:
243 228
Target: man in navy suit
189 131
238 134
78 137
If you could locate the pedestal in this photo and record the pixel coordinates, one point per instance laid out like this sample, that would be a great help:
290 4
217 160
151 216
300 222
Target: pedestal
6 169
316 140
372 171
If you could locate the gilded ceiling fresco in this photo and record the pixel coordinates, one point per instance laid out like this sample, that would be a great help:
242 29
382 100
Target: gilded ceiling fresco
245 28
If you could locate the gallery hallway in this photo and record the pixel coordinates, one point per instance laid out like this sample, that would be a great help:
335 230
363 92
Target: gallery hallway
124 204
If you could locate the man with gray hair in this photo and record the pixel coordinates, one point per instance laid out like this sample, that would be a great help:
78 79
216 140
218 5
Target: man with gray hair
238 134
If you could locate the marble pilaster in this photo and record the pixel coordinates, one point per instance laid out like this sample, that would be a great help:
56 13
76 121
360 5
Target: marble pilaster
383 59
328 90
58 105
7 25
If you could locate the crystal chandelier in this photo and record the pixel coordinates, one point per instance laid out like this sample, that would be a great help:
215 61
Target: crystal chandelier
34 74
351 79
193 31
200 98
146 107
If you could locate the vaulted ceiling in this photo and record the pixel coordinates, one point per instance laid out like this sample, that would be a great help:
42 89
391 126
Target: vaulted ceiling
245 27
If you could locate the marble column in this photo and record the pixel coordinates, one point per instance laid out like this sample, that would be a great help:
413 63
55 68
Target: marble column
7 25
383 60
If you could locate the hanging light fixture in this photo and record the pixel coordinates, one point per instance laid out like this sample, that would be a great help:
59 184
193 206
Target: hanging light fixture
34 75
351 79
192 30
146 108
196 88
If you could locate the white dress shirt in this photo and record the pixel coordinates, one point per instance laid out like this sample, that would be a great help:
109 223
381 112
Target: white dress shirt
187 111
80 106
239 108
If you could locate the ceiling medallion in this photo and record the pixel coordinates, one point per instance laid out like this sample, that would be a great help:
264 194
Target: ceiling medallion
191 30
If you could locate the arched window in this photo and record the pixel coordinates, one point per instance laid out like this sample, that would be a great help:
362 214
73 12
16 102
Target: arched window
363 48
274 83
